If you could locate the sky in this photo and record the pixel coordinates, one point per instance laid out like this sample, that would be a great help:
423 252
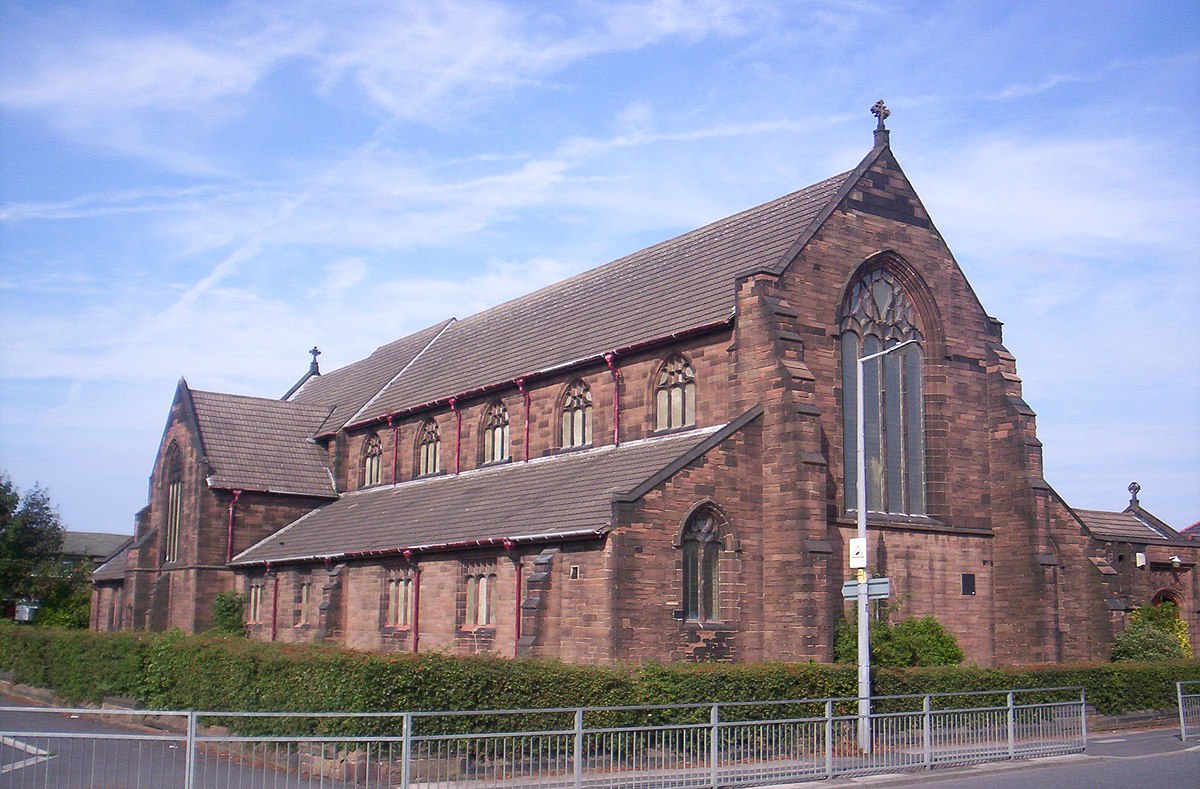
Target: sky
207 190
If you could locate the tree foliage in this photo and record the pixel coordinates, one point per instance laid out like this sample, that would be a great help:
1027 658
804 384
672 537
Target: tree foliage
31 537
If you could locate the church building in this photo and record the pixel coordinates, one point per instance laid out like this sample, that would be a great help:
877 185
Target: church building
656 460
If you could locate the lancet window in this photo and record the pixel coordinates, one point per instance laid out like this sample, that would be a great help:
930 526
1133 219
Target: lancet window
372 461
701 543
174 495
675 394
429 450
577 415
495 434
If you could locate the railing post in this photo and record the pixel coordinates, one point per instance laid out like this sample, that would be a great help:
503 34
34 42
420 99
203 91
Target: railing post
578 766
829 738
406 752
1012 727
1182 718
714 742
927 731
189 774
1083 715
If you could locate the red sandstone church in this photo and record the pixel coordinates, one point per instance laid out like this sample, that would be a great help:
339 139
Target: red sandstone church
655 460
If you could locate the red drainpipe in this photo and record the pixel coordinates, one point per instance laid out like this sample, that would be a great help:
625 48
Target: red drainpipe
275 607
237 494
457 432
611 360
508 546
525 394
395 447
416 603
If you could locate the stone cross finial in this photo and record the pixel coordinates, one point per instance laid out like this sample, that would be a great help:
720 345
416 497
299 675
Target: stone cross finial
880 111
1134 488
315 351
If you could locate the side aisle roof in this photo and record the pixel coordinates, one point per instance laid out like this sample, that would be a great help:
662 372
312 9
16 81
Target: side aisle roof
555 497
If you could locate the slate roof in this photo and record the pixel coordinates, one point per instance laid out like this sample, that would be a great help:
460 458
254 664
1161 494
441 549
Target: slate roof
254 443
114 568
1125 526
569 494
348 388
675 286
93 544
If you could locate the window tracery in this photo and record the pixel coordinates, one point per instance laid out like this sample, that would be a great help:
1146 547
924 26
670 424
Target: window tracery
675 394
701 543
495 434
879 314
174 514
577 415
372 461
429 449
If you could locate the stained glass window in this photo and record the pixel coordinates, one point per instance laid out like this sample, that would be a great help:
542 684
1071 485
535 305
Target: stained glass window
878 315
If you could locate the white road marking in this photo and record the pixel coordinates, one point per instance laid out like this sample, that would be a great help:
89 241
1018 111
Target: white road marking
37 755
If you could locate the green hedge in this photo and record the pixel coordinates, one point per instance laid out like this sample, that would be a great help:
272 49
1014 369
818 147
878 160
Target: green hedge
207 672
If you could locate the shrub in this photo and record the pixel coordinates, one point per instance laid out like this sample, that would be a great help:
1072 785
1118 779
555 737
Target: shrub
229 611
911 642
1143 641
1165 617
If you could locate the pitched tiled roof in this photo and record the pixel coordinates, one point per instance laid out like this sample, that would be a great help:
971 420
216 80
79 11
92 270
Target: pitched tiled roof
114 568
1125 526
254 443
94 544
678 285
349 387
555 496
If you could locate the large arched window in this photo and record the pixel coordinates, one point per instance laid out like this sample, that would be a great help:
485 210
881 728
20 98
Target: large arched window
577 415
675 394
174 502
877 315
495 433
372 461
701 543
429 449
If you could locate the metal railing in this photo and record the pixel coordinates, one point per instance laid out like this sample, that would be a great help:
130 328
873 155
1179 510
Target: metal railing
1188 696
696 745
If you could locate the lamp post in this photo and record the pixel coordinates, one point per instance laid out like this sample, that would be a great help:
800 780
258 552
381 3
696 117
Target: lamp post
864 623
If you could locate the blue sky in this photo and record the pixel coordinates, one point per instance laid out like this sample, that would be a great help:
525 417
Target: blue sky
209 189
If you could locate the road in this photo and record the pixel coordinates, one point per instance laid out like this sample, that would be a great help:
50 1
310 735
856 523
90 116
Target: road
1114 760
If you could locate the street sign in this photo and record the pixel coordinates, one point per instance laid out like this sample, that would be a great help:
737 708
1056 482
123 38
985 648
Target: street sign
858 553
877 589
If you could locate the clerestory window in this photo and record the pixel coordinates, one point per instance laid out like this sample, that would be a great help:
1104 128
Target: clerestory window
495 434
429 449
577 415
877 315
675 394
372 461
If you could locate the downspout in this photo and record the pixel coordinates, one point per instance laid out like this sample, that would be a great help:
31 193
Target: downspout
525 394
237 494
611 360
457 433
416 604
508 546
274 602
395 447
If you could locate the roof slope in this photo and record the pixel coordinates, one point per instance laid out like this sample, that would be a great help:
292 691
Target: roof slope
254 443
348 388
1125 526
114 568
677 285
96 544
555 496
